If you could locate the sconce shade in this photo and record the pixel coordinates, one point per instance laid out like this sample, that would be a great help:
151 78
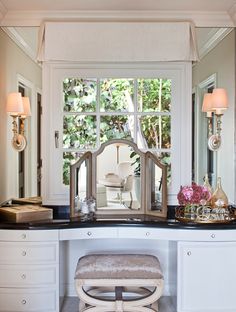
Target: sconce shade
207 103
26 106
219 99
14 104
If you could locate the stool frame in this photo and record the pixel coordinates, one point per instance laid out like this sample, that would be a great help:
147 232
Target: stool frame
146 303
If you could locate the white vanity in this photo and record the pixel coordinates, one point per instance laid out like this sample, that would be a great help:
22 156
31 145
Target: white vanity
37 264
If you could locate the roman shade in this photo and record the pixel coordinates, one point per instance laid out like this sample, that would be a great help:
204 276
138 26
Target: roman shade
117 42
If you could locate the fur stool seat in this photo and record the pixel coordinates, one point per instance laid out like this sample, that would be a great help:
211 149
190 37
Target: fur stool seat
119 282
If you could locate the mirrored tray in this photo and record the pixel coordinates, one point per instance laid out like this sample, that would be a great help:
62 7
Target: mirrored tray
204 214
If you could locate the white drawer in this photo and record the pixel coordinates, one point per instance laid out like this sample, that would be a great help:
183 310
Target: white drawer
32 253
139 233
88 233
27 275
28 235
24 300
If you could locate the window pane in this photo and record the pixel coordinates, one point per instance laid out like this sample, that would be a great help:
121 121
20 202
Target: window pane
79 95
117 95
116 127
79 131
156 131
154 95
69 158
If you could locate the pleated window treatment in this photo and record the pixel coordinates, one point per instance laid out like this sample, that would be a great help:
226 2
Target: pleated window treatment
117 42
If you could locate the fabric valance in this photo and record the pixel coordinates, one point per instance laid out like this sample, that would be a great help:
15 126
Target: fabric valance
117 42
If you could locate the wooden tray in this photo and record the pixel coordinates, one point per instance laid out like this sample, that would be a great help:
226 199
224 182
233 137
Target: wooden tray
25 213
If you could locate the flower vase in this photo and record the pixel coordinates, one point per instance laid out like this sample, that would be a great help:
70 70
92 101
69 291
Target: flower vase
190 211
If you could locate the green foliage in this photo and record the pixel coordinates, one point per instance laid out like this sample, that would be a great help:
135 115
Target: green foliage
136 163
79 95
114 93
117 97
114 127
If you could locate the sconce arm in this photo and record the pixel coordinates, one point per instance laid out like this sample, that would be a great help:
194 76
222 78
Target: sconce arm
19 140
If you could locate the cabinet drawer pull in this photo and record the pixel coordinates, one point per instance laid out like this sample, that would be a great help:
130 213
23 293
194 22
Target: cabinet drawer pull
189 253
213 235
147 233
23 253
23 301
89 233
23 276
23 236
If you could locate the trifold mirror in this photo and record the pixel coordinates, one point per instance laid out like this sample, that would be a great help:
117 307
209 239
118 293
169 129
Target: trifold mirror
122 180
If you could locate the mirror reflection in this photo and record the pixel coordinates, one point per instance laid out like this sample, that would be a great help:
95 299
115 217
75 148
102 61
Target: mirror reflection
118 178
215 69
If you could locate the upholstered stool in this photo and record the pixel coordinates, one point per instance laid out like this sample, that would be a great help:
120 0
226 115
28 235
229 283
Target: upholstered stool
97 276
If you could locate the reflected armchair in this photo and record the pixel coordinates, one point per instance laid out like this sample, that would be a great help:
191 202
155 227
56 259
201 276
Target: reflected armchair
122 181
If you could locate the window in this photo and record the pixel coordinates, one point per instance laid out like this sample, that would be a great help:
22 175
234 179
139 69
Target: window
87 104
101 109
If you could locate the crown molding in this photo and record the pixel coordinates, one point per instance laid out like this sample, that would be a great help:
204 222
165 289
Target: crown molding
20 42
199 18
3 10
213 39
232 13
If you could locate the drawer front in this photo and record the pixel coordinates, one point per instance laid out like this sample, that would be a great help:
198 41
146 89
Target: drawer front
28 236
40 300
88 233
38 253
27 275
141 233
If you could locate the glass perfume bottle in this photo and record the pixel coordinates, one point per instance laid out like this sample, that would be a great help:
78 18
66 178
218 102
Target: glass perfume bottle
207 184
209 188
219 198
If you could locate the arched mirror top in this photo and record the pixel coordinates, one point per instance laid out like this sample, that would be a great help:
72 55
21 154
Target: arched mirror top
121 178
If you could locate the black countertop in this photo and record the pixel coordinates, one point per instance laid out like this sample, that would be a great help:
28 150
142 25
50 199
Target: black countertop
62 221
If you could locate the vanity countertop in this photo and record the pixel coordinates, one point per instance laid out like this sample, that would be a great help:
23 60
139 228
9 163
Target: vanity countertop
64 222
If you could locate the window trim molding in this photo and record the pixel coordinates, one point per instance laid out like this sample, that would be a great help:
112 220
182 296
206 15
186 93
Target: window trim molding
52 195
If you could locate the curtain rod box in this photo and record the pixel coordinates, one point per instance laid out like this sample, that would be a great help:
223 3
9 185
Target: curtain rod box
25 213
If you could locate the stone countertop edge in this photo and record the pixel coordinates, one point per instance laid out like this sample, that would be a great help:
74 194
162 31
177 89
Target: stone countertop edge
64 222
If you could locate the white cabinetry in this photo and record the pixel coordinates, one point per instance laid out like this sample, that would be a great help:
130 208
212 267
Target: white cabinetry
29 278
206 277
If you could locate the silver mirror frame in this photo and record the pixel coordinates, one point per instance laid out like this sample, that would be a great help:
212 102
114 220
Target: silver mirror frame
145 181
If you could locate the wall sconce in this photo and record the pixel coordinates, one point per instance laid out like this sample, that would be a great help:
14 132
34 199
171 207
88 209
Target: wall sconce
19 109
215 102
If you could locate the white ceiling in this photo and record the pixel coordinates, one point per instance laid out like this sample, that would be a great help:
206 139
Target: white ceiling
202 12
173 5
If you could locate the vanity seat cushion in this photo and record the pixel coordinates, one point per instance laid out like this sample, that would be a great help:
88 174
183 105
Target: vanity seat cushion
121 266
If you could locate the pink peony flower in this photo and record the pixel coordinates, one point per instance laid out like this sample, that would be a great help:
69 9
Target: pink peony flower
194 194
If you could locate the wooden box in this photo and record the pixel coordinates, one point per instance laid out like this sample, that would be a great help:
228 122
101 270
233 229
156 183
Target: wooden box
25 213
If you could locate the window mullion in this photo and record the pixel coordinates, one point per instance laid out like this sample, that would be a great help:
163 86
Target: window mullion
98 113
135 109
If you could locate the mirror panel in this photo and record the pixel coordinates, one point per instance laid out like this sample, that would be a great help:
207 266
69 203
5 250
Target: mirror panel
156 186
118 178
80 183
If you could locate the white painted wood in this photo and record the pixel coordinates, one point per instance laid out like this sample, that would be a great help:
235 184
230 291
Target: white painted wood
177 234
24 300
205 277
53 190
28 275
28 253
29 271
214 255
165 304
29 236
98 304
88 233
200 18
